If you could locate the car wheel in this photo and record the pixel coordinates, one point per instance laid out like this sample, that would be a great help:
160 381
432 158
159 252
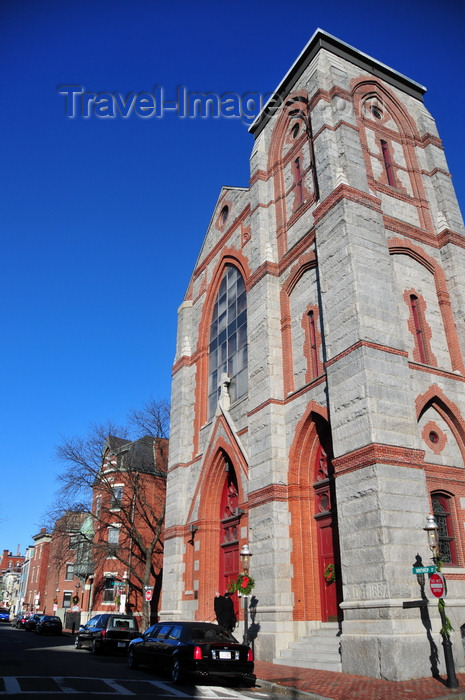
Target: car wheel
132 661
95 649
77 643
176 671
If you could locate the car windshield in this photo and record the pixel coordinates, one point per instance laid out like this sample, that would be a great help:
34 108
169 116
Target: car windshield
211 634
127 623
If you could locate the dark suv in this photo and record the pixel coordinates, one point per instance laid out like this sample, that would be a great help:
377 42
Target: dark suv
107 632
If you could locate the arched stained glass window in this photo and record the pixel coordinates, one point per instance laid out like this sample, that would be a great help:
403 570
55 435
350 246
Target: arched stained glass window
228 339
441 510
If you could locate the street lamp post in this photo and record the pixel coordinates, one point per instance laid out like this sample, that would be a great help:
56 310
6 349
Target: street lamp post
431 528
245 559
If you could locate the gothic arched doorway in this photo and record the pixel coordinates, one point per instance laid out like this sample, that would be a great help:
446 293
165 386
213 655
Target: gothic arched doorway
312 504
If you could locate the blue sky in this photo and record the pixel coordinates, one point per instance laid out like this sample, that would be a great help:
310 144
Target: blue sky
101 220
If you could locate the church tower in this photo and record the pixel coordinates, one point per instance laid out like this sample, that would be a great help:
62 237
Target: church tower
318 388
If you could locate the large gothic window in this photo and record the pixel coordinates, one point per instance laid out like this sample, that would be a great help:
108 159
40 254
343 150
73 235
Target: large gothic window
228 339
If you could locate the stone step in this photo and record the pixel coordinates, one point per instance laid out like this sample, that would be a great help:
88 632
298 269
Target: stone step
319 650
316 645
303 653
305 663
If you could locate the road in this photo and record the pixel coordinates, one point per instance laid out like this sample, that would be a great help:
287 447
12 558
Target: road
34 665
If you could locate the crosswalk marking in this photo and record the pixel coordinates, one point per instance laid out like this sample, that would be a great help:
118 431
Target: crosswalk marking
64 686
11 685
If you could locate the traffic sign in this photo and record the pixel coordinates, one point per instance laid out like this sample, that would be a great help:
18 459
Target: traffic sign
423 569
437 585
148 595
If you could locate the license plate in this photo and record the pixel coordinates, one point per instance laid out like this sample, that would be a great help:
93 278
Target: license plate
121 644
225 654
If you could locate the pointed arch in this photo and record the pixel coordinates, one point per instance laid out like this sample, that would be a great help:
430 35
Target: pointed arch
391 163
291 153
209 493
230 256
312 441
306 262
449 412
399 246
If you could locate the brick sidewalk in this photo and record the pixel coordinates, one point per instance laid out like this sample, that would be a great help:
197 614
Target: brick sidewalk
343 686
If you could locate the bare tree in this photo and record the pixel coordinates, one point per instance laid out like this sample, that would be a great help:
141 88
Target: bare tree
124 523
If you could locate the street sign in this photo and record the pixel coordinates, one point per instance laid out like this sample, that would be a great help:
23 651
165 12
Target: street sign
148 595
423 569
437 586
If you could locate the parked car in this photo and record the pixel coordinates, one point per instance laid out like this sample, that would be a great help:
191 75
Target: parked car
107 632
31 621
4 615
200 649
19 620
49 624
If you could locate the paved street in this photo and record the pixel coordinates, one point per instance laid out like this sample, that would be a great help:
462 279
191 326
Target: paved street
33 665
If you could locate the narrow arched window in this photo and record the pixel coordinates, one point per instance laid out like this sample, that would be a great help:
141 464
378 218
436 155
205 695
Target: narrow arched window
388 163
298 182
418 325
442 512
313 345
228 340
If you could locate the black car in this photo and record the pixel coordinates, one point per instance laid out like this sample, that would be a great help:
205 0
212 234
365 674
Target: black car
19 620
107 632
49 624
31 622
200 649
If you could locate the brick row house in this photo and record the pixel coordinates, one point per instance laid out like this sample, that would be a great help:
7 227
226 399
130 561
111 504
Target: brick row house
128 517
318 396
33 596
108 558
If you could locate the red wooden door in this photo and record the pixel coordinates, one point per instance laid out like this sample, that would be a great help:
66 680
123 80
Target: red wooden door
328 549
229 535
329 602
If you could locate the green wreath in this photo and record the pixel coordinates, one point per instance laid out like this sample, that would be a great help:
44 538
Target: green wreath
75 600
330 573
243 584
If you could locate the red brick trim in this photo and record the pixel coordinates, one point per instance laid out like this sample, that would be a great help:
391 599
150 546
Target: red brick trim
221 243
335 127
208 497
436 371
268 494
378 453
407 137
404 229
434 397
341 192
427 333
364 343
259 176
305 263
406 247
303 529
314 361
433 427
230 256
278 161
447 236
173 532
